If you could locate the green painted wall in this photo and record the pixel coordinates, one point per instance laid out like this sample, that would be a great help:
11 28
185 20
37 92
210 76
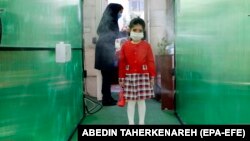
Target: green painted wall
40 100
41 23
212 61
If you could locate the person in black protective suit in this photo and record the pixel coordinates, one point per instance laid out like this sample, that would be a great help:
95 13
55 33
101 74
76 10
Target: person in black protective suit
105 59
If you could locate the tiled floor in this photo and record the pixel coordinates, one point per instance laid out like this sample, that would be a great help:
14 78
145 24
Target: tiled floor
114 115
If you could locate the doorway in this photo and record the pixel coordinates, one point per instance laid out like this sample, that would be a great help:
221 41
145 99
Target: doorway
132 9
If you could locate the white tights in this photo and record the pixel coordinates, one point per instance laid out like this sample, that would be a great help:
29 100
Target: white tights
141 110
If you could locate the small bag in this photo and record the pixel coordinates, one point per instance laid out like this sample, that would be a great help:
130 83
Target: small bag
121 101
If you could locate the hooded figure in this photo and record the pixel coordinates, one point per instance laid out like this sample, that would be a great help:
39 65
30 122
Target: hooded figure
108 31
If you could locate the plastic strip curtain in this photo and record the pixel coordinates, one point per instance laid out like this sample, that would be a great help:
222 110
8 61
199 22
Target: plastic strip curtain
39 98
212 61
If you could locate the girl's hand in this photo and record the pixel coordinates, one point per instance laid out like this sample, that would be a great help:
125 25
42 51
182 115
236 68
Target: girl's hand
121 83
152 82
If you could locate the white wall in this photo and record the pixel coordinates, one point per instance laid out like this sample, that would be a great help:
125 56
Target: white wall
92 12
160 20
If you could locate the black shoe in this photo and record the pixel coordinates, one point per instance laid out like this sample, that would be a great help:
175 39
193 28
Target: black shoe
109 103
113 100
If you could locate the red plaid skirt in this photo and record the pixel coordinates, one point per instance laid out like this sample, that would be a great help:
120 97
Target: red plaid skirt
137 87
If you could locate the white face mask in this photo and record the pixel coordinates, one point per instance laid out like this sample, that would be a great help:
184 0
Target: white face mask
136 36
119 15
